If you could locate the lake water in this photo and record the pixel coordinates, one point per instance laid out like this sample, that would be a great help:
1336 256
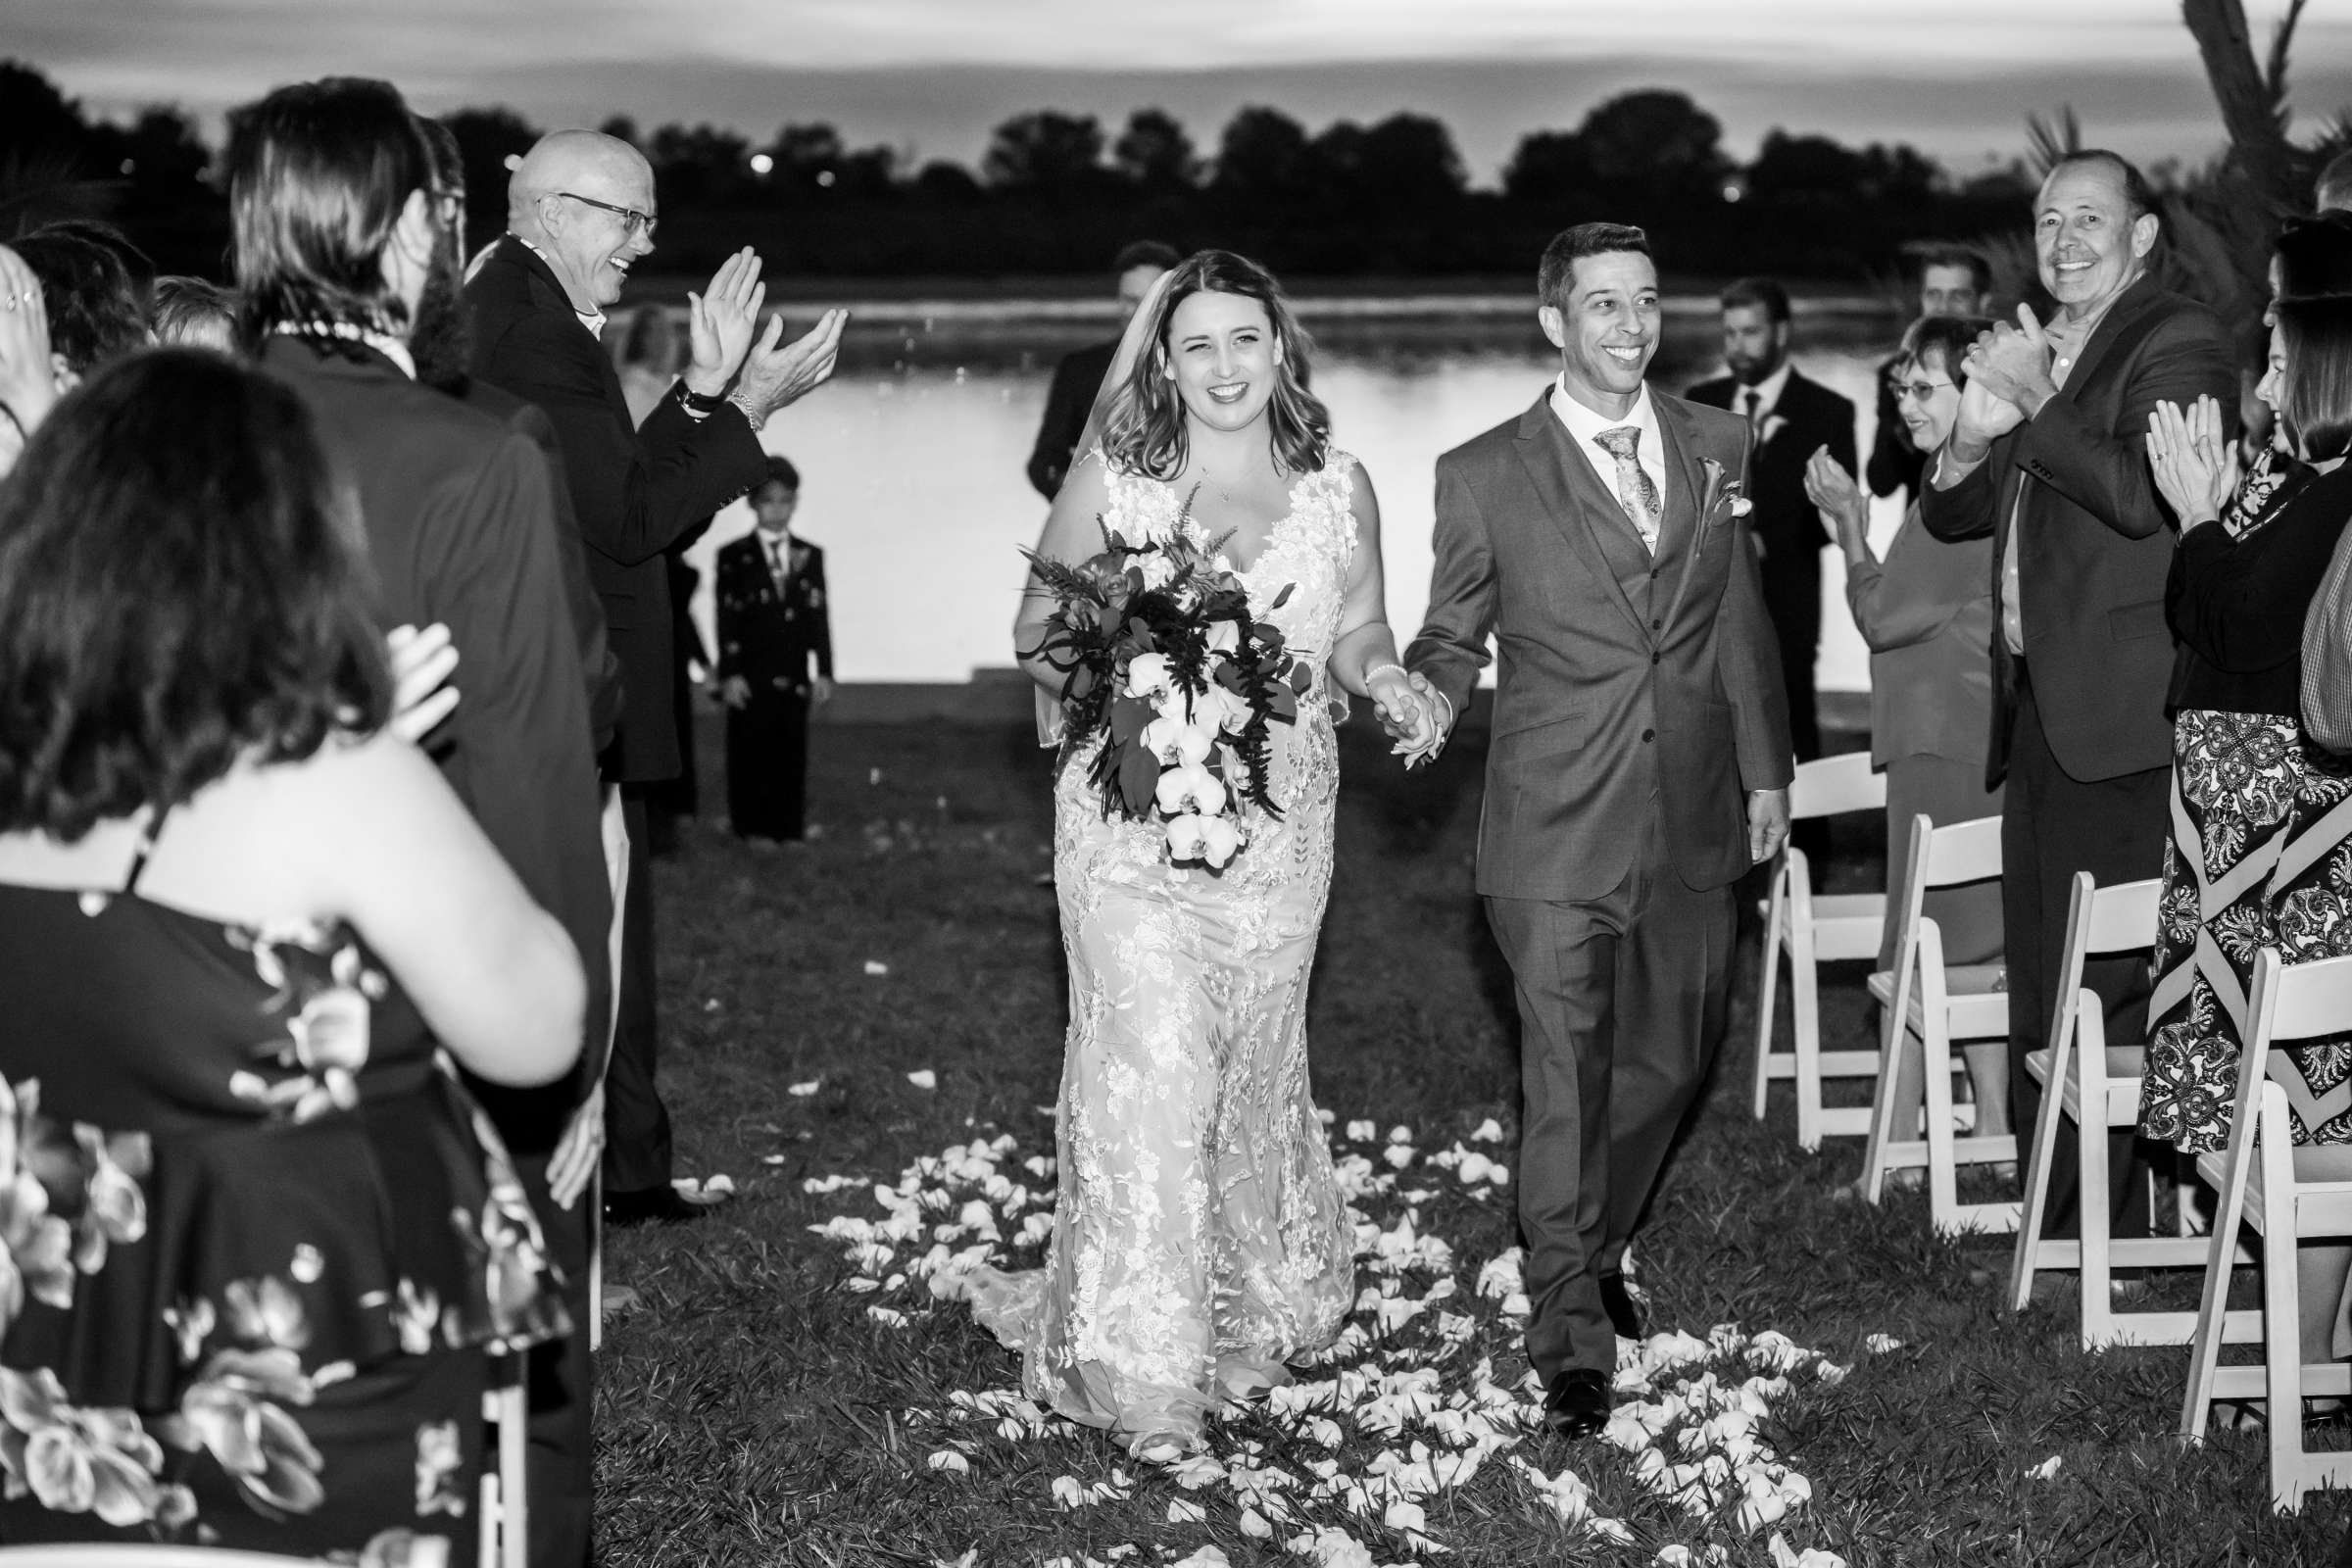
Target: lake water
912 460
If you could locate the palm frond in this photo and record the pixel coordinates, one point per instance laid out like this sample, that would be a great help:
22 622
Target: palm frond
2049 138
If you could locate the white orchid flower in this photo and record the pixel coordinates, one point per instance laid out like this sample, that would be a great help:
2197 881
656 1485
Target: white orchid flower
1177 742
1150 675
1189 788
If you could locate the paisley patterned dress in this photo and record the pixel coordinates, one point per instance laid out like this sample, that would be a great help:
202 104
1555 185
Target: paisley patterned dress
256 1241
1200 1239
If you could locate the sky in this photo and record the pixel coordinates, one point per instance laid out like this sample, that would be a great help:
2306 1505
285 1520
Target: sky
932 77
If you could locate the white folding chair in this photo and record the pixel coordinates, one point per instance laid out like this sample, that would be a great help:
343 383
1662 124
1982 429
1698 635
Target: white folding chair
1934 1006
2098 1086
505 1536
1811 929
2287 1193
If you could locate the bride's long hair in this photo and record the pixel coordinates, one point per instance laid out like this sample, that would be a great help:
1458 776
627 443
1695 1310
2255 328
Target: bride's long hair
1142 430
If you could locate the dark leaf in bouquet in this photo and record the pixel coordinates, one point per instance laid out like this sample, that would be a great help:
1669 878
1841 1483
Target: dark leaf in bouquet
1081 683
1283 598
1128 716
1282 705
1139 778
1301 678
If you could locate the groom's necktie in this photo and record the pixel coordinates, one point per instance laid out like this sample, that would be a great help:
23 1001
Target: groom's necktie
1634 490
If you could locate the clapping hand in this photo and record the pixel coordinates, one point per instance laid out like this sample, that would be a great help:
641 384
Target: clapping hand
1410 710
1831 488
28 373
421 664
2193 458
720 321
774 378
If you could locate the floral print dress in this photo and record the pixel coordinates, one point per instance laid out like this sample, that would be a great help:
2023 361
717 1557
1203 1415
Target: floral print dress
256 1241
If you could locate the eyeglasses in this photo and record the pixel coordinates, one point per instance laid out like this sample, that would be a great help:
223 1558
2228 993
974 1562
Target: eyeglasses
631 220
1919 391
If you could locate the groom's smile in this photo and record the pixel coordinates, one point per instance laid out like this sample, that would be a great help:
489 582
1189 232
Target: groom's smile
1606 330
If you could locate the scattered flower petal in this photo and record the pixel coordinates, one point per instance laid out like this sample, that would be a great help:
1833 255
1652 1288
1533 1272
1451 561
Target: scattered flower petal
924 1078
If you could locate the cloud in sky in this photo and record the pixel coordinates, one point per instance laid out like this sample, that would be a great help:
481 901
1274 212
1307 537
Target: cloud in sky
935 74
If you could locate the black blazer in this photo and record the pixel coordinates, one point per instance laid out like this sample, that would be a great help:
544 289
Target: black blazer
1621 676
637 490
768 636
2098 540
1807 418
1071 398
460 524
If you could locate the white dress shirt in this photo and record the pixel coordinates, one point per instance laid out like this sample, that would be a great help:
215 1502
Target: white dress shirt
1585 428
593 320
1768 398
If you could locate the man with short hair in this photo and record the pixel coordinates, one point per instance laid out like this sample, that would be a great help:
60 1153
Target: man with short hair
2048 456
1079 375
2332 190
580 213
461 529
1790 417
1638 767
1953 280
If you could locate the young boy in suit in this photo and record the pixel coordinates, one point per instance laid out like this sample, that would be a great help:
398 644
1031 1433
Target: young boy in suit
772 624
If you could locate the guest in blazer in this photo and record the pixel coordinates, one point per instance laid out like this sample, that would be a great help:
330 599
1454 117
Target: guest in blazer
2047 459
580 213
773 625
1788 419
1079 377
462 523
1926 612
1640 765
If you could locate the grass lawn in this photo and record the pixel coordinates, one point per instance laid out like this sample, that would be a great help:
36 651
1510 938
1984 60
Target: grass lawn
755 1410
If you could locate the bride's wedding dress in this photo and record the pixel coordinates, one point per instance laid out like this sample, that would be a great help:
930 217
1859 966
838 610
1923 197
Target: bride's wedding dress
1200 1239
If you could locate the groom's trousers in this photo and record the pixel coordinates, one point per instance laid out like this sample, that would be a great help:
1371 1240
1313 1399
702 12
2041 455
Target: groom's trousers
1620 1006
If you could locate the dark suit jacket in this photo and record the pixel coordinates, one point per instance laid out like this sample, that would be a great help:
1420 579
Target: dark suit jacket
1070 398
637 490
461 529
601 669
1807 418
768 636
1621 676
2098 540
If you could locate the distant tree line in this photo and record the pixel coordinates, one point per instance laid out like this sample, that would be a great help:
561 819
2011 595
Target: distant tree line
1058 193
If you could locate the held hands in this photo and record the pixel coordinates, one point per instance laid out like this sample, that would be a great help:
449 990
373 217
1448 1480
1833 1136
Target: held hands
1984 418
1831 488
1767 824
822 690
777 377
2013 363
1410 711
2193 458
720 321
734 691
421 662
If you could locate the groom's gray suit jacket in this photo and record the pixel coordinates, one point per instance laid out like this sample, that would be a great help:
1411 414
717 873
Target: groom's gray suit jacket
1621 676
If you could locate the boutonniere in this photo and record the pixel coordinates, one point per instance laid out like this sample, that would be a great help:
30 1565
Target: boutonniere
1722 496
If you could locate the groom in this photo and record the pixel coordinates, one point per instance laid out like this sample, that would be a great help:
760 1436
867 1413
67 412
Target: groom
1640 765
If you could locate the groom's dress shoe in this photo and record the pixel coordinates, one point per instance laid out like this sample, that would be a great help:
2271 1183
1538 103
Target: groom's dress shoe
1624 1316
1577 1404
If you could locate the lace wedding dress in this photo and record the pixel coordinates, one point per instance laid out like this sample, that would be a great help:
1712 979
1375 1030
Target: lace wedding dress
1200 1239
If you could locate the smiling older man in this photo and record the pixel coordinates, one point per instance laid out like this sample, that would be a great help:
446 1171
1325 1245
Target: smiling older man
580 213
2048 456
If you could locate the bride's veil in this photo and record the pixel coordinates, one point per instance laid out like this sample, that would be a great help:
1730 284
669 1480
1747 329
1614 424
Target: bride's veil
1134 343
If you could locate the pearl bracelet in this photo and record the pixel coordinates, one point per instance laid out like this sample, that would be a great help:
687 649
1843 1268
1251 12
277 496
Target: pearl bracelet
1377 668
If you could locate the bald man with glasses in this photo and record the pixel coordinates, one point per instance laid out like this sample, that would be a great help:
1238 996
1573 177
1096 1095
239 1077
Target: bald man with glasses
580 213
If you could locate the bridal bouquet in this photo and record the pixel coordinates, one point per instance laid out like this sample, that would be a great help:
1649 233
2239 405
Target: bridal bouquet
1162 659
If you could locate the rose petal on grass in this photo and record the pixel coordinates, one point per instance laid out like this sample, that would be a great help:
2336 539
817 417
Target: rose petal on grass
1254 1525
1184 1512
1363 1132
803 1091
924 1078
1489 1131
1205 1557
950 1460
2045 1470
876 968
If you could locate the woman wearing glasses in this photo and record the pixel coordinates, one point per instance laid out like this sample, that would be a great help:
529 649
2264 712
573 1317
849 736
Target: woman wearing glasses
1926 610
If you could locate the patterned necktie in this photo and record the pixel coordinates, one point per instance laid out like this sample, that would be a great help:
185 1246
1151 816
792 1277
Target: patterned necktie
1634 490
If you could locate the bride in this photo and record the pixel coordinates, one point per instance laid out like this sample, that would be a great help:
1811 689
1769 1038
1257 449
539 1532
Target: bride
1201 1240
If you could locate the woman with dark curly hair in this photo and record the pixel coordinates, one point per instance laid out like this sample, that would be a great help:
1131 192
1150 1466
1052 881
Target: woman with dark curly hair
2259 846
1200 1241
256 1241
